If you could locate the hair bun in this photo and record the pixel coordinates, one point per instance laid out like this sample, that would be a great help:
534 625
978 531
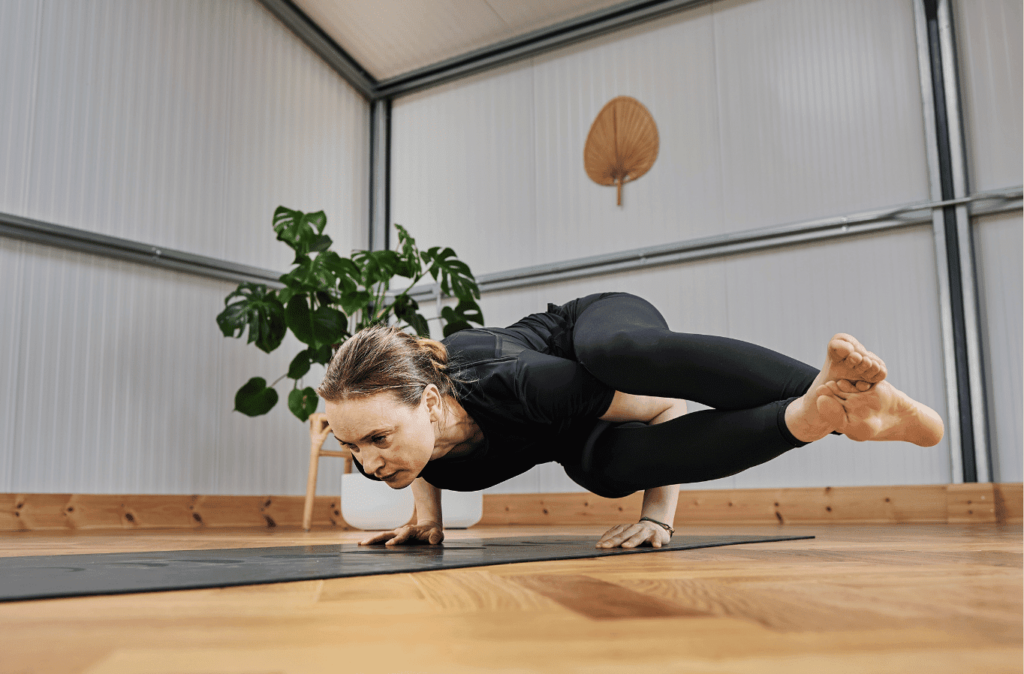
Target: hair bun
438 352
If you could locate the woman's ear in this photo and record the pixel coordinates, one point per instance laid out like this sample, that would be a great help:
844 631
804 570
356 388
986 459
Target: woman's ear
432 399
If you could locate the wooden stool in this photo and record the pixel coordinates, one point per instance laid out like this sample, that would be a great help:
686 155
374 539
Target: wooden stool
319 429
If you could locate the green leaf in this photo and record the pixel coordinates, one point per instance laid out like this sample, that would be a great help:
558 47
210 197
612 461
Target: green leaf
460 316
254 398
321 355
353 302
296 315
299 365
454 326
325 325
329 326
257 309
301 231
407 309
302 402
321 243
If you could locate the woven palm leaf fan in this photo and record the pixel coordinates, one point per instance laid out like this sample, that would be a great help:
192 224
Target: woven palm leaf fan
622 144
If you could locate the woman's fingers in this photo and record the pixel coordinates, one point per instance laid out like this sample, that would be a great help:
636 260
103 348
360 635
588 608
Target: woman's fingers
637 538
401 536
608 539
383 536
628 536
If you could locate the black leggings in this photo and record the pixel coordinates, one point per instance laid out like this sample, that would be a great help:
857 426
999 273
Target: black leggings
625 342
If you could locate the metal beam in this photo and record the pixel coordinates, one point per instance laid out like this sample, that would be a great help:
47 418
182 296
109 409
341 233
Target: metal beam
965 243
82 241
739 242
323 46
380 174
531 44
953 243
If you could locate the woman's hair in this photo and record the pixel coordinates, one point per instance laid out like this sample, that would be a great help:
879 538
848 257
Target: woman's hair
383 358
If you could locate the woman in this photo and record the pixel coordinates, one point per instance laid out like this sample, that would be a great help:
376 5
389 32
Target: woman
598 385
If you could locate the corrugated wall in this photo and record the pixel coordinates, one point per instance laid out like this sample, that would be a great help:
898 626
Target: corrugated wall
991 72
769 112
182 124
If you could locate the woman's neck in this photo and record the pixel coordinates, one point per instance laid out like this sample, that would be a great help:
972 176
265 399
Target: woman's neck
457 432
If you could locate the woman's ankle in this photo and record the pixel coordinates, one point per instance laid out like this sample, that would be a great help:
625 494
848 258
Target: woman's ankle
804 422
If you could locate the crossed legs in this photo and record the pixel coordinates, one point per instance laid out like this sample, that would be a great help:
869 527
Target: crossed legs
765 403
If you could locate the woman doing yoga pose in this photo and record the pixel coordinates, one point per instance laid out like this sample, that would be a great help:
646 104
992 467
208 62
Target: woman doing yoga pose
598 385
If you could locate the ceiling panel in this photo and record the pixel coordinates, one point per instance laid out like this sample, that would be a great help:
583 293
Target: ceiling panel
392 37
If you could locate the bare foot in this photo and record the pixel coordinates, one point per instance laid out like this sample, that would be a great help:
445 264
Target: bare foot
846 358
882 413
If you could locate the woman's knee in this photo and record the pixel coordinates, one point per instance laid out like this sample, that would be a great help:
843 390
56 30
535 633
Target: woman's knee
618 348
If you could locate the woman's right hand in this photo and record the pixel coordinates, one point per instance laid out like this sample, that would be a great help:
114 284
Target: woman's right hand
411 534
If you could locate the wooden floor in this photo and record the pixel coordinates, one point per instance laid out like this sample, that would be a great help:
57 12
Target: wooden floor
857 599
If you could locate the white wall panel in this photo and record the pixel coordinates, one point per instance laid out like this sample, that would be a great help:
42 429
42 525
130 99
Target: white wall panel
463 168
19 38
11 306
819 115
989 45
820 108
126 385
999 240
182 124
792 300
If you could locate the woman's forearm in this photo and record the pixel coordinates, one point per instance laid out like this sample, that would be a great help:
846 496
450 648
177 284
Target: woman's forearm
428 502
660 502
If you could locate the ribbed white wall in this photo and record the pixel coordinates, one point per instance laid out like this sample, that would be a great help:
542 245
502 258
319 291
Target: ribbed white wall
989 43
998 242
769 112
183 124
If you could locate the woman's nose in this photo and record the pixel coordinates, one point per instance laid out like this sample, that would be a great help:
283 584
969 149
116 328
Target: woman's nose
373 464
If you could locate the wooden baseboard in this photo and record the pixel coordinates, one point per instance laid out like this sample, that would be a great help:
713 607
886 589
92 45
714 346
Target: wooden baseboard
960 503
955 503
42 512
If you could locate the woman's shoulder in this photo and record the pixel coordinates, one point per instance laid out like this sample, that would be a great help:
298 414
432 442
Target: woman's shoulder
478 344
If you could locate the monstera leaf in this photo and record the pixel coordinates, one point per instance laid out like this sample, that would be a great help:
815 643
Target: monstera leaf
257 309
303 232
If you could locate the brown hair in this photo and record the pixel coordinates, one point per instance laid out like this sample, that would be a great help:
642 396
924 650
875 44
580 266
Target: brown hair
383 358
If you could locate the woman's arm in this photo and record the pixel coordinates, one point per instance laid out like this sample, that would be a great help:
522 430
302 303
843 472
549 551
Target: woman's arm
428 527
659 502
428 502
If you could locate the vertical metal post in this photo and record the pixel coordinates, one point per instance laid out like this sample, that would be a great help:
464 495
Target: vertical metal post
380 174
965 241
967 435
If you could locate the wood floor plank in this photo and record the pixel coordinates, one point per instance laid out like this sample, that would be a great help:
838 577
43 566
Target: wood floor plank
601 600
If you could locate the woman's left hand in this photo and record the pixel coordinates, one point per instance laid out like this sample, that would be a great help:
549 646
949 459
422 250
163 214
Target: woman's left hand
632 535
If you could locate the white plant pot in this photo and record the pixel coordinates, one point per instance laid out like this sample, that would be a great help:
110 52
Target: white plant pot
461 509
374 506
371 505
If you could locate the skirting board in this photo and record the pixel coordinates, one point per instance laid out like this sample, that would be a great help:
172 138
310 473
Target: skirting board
952 503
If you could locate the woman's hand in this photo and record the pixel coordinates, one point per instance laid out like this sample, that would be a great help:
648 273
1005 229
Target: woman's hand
632 535
411 534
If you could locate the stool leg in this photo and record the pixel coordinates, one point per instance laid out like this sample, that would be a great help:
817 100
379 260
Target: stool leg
318 430
307 509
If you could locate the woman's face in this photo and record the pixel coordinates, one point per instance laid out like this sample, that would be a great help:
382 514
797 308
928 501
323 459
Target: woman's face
389 439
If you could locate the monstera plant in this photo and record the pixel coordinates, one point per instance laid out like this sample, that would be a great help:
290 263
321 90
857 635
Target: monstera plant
327 297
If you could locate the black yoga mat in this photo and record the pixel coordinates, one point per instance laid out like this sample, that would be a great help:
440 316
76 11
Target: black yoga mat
52 576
